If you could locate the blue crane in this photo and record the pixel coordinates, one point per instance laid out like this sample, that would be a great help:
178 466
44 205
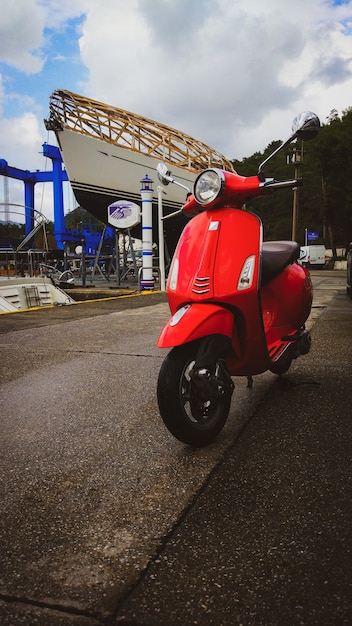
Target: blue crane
57 176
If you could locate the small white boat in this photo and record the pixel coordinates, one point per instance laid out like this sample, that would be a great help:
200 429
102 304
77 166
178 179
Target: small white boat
18 294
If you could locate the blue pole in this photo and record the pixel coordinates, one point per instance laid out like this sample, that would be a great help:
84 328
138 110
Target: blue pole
29 205
58 177
59 221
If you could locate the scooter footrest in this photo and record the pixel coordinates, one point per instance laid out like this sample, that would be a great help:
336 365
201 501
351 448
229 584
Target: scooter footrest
302 341
295 337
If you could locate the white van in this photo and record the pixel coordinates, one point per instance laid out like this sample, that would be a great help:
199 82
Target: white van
313 255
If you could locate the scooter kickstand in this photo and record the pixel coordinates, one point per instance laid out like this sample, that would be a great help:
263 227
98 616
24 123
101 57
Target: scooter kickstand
249 382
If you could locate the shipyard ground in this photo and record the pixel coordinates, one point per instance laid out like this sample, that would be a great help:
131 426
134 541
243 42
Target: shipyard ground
106 519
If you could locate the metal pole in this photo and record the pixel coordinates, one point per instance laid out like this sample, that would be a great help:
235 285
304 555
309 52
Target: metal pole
97 256
295 209
83 263
65 256
161 190
297 160
117 257
133 254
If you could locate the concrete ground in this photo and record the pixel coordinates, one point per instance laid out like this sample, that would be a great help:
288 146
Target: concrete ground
106 519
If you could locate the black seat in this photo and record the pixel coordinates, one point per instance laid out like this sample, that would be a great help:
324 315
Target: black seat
276 255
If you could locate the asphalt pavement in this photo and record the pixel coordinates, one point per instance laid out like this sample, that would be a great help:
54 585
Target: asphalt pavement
267 540
106 519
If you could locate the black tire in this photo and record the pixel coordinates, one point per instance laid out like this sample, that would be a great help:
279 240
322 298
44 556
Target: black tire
192 419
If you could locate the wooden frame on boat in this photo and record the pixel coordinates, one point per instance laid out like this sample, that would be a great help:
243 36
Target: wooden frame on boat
131 131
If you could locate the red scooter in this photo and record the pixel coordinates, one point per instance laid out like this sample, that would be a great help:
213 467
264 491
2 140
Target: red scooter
238 304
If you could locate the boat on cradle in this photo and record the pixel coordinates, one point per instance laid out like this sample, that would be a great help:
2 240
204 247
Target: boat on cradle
107 152
18 294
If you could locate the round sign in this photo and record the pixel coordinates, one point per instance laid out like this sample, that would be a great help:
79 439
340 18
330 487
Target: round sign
124 214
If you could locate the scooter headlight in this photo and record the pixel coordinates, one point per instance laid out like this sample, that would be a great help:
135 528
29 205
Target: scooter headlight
208 186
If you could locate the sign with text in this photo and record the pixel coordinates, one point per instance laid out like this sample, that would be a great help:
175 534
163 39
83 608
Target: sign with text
312 235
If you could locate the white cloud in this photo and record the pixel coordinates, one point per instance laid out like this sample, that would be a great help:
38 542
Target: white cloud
21 149
115 47
231 74
23 136
21 29
217 69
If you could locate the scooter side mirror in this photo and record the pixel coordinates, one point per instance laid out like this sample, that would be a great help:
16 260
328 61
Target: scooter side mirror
165 177
164 174
306 126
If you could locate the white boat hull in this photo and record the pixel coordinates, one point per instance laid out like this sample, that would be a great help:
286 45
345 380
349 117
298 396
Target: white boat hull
101 173
107 151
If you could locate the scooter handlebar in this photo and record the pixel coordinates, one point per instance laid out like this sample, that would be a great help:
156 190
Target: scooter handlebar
282 184
238 190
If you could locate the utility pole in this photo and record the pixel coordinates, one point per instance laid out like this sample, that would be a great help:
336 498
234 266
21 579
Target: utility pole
295 158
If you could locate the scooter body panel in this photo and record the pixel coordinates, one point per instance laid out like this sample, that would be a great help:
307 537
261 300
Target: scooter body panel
210 256
286 301
195 321
286 304
209 281
217 261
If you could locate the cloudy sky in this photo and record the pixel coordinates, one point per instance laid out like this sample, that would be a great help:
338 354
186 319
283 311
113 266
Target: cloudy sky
232 73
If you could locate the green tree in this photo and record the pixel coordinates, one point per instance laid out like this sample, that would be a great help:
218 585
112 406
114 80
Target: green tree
325 199
11 233
333 151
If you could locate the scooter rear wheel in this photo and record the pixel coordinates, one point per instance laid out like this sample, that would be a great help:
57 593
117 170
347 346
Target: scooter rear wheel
191 415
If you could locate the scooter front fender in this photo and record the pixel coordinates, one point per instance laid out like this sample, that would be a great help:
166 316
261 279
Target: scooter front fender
194 321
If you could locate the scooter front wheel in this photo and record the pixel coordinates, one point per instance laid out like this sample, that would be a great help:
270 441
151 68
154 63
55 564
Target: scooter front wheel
193 414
